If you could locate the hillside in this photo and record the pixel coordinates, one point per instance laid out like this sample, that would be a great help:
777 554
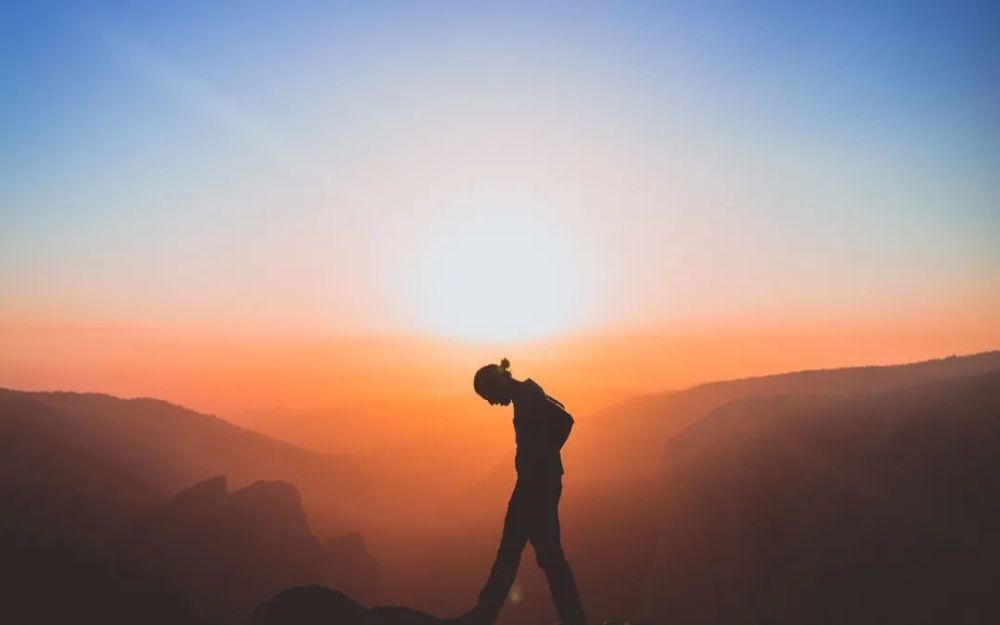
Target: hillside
100 459
232 550
874 508
614 490
62 581
795 509
862 495
626 440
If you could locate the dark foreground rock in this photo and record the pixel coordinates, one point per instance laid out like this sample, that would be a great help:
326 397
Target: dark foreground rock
317 605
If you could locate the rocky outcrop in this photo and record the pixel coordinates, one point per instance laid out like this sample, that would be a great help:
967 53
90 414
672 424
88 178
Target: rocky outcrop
310 605
236 549
357 573
316 605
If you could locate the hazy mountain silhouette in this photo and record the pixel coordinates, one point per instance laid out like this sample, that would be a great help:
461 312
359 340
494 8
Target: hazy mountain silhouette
356 571
858 495
626 439
95 471
100 459
629 453
233 550
614 524
878 508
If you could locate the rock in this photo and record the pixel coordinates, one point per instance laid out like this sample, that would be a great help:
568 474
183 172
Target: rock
317 605
310 605
392 615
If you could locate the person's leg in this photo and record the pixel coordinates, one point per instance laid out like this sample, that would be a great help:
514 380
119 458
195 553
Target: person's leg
515 535
544 536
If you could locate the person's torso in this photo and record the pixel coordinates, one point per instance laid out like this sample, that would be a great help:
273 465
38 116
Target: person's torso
537 453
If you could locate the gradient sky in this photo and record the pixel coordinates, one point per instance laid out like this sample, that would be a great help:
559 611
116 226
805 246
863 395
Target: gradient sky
289 168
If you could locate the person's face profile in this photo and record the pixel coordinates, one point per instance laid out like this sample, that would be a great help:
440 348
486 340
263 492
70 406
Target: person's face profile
497 394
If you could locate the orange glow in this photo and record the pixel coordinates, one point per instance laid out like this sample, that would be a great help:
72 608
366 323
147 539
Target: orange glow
361 375
405 404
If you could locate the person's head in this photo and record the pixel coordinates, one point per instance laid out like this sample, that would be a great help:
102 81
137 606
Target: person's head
494 383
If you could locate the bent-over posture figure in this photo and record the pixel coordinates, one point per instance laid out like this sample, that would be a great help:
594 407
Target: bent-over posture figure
541 426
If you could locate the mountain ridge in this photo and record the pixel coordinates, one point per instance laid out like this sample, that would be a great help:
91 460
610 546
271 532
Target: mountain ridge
150 449
632 447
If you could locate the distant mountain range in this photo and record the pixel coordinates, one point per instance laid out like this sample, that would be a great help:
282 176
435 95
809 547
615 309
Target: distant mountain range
719 504
862 508
873 507
627 439
861 495
98 475
101 457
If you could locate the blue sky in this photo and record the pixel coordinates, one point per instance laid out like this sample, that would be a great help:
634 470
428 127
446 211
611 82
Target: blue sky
167 164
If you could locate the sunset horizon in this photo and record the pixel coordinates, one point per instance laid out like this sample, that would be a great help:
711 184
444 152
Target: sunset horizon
333 313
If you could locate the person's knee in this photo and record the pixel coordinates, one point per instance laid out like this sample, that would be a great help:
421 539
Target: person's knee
551 560
510 549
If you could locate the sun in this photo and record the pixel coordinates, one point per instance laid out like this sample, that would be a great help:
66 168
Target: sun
498 275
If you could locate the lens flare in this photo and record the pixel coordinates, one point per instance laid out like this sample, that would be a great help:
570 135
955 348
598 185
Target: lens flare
516 594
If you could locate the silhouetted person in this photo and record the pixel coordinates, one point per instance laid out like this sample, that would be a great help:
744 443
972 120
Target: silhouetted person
541 426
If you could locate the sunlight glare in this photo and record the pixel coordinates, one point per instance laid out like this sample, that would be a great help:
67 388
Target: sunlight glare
499 275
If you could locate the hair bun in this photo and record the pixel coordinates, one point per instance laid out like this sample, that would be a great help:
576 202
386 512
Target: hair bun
505 364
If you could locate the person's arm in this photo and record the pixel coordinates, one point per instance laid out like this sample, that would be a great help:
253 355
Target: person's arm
560 422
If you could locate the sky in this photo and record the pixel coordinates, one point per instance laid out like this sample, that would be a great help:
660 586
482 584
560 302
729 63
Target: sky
498 173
